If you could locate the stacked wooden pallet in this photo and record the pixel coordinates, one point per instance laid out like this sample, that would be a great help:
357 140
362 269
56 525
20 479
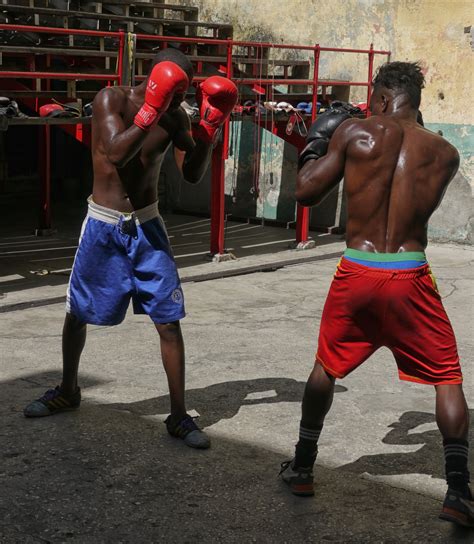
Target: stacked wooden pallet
91 54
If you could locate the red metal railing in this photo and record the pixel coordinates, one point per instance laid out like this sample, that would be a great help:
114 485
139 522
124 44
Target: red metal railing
221 151
217 189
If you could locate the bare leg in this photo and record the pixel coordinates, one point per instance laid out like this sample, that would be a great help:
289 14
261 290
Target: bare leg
74 339
172 353
318 397
452 415
317 400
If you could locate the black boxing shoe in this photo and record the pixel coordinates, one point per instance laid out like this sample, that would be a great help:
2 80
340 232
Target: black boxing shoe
458 507
187 430
53 402
299 479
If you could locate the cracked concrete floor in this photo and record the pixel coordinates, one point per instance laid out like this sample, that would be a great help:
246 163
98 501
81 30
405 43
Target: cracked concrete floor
109 473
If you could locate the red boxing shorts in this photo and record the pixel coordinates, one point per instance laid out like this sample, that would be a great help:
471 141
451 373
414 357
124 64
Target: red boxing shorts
368 308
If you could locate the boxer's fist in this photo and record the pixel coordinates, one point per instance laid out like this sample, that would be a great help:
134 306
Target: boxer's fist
216 98
165 80
319 134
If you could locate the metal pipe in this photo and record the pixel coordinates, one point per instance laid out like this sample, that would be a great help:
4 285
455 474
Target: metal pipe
251 81
120 57
55 30
371 74
248 81
236 43
57 75
302 213
317 54
217 201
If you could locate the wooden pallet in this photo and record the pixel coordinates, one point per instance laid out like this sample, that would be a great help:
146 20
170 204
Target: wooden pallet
75 19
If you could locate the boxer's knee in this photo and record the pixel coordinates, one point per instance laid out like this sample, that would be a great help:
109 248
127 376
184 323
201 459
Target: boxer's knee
169 331
73 323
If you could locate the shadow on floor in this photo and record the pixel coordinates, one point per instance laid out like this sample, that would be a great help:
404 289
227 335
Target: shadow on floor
101 475
427 459
223 400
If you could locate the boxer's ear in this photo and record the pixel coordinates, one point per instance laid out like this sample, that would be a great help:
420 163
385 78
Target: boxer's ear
384 102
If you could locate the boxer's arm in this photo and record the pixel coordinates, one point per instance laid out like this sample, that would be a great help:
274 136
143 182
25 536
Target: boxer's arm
318 177
192 156
216 98
120 144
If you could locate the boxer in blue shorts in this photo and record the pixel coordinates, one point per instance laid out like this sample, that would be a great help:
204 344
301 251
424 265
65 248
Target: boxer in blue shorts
122 257
124 252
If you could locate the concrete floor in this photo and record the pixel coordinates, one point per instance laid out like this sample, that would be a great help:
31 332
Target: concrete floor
109 473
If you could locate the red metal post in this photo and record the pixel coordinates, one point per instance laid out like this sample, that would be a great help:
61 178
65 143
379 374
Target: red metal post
227 123
44 150
302 213
302 223
219 154
371 74
120 57
217 200
317 54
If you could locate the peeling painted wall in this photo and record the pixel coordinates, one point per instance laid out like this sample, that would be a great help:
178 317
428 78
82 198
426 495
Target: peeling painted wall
430 31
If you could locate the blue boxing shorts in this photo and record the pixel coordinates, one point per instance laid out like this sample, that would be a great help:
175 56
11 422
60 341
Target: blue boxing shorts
123 256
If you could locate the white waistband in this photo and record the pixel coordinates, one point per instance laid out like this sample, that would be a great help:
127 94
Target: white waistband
114 216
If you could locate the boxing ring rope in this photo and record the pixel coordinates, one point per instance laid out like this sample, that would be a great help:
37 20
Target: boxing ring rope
222 149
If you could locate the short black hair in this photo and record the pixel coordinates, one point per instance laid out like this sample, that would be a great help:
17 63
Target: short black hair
405 77
174 55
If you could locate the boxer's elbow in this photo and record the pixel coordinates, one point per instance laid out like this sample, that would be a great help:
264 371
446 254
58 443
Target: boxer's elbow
117 154
119 160
304 200
192 174
303 192
192 179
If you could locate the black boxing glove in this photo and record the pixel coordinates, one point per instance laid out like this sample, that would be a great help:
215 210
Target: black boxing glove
319 134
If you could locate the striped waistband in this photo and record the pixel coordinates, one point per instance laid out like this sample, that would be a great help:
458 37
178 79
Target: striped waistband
348 265
403 260
114 217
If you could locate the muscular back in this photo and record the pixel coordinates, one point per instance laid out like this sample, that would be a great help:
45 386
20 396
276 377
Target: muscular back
395 173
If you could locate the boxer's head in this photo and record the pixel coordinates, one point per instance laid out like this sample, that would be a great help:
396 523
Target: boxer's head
175 55
394 81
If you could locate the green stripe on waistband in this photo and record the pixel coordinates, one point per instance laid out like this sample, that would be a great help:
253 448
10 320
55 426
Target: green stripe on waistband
385 257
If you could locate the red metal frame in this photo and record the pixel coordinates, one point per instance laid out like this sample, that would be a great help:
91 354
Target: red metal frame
221 151
371 73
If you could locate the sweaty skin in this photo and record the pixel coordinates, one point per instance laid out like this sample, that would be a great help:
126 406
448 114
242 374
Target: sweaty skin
127 159
395 174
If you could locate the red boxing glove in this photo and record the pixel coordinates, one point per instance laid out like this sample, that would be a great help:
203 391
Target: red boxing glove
166 79
216 98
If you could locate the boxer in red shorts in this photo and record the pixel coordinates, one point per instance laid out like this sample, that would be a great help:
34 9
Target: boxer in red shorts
383 292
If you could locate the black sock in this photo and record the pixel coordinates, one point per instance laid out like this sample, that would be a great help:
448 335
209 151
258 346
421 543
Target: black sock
456 453
307 447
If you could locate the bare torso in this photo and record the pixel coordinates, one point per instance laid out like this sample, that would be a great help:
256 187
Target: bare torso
395 173
134 184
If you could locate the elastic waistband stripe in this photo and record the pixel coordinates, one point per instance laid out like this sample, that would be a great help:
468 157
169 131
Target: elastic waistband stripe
377 272
386 257
113 217
392 265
